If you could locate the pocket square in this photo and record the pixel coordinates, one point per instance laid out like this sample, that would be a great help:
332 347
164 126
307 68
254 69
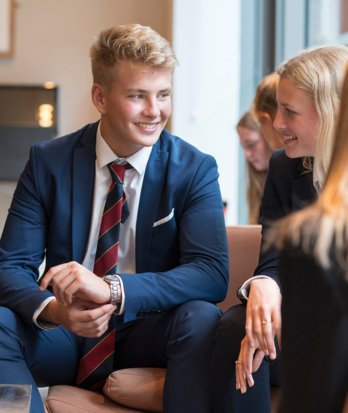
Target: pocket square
165 219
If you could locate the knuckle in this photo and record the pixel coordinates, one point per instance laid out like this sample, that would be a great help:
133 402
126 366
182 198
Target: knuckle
90 317
74 267
100 331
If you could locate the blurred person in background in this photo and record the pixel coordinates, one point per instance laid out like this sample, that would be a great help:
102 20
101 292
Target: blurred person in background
258 140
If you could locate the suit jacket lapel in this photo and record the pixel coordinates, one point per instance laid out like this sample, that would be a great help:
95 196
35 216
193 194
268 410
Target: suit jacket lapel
83 170
148 206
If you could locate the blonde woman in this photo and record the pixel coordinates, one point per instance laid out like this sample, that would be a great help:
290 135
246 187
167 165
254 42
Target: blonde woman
259 140
314 279
308 96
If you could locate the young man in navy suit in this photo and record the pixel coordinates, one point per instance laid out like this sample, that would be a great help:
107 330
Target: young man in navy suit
172 259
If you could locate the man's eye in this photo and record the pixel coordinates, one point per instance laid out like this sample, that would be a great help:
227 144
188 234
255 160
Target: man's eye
164 95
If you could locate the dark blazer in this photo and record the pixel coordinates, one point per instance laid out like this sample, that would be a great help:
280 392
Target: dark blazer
183 259
314 334
288 187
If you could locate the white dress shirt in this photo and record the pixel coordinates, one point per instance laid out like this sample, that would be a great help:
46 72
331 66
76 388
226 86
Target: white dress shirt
133 182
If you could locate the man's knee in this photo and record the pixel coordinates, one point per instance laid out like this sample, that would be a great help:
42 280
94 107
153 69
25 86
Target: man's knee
9 329
8 319
197 318
231 328
200 310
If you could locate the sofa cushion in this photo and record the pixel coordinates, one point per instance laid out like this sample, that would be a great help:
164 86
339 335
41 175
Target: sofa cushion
69 399
139 388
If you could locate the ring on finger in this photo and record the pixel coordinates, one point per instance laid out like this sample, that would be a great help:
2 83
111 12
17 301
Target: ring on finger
265 321
238 362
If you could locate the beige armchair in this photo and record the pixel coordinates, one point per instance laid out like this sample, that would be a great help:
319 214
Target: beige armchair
140 390
126 391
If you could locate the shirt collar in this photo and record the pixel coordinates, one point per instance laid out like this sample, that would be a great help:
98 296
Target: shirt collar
105 155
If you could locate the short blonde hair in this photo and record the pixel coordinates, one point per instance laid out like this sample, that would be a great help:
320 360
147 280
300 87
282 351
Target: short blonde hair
133 43
319 72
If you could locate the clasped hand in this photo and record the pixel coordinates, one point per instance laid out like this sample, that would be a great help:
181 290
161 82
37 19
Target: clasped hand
82 299
263 323
71 280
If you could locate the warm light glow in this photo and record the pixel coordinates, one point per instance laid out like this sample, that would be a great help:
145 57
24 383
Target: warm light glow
49 85
45 115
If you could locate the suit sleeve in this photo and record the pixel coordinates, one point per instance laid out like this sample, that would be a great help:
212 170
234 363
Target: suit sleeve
202 269
22 247
276 203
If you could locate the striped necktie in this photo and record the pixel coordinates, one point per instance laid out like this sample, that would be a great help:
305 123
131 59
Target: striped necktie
98 353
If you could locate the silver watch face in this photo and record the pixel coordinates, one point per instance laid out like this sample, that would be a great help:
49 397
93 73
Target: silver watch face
110 278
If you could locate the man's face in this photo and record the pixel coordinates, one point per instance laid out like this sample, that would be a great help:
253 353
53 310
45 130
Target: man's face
135 107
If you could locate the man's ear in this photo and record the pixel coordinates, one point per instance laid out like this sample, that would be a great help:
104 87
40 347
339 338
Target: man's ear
98 97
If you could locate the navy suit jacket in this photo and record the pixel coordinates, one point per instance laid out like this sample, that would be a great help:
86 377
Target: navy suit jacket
288 188
183 259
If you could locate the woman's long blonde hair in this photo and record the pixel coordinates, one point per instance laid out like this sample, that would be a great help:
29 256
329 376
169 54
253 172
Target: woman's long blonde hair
323 227
319 72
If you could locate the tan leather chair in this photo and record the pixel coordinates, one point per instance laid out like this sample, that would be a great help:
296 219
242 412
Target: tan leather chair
130 390
243 250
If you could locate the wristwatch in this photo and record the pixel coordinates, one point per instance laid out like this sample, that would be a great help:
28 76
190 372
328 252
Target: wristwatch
115 288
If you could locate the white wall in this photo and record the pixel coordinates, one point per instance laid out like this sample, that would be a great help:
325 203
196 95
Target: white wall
52 40
206 38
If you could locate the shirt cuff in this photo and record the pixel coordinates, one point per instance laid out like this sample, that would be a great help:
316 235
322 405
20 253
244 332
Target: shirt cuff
243 291
44 325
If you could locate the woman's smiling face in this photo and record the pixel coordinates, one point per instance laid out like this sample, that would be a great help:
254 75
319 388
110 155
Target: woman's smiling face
297 120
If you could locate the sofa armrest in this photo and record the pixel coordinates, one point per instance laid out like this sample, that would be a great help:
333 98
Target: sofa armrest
139 388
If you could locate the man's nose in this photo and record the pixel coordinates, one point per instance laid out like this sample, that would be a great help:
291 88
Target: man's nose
152 107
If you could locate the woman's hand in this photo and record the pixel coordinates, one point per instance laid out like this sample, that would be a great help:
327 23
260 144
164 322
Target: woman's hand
263 316
249 361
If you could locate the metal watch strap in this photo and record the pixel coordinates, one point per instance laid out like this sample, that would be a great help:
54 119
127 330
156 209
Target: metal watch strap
115 289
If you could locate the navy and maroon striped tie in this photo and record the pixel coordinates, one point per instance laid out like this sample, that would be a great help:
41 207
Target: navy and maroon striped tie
98 353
